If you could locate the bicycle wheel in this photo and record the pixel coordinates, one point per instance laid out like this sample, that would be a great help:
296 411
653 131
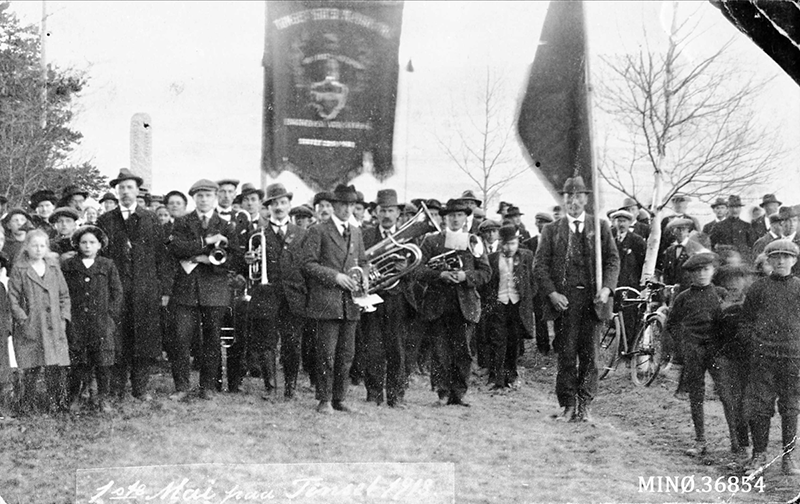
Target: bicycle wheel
647 354
608 346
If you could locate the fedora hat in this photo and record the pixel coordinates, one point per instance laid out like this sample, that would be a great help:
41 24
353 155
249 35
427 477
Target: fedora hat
322 196
455 205
275 191
469 195
203 185
575 185
677 198
513 211
248 189
126 174
433 203
99 233
42 195
719 202
386 198
769 198
345 194
734 201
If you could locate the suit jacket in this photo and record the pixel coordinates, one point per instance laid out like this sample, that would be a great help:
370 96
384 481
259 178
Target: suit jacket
286 281
478 273
523 280
326 253
670 263
641 229
631 251
710 226
206 284
550 265
759 226
531 244
735 232
137 247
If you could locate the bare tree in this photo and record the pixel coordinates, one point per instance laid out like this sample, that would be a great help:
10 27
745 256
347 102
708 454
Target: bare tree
479 137
688 121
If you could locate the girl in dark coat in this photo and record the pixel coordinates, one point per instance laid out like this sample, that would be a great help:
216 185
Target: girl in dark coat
96 292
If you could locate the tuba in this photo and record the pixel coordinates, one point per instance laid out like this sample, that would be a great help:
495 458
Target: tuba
395 256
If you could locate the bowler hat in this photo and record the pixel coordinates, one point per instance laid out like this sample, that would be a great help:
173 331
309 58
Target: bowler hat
783 213
323 196
543 216
301 211
488 225
203 185
719 202
230 181
679 222
99 233
386 198
176 193
701 259
275 191
109 196
734 201
622 214
575 185
469 195
345 194
513 211
767 199
509 233
72 190
65 212
455 205
434 203
126 174
42 195
782 246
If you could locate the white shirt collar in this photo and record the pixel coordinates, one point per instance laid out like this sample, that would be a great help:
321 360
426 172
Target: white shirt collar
282 223
208 214
581 218
391 230
339 223
131 208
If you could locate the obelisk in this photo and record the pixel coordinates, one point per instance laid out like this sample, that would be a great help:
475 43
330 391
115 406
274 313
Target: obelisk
142 148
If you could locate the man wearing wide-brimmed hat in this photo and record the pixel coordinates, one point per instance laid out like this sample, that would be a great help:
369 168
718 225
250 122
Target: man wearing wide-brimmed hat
565 271
734 231
202 290
277 309
770 204
470 200
136 245
775 230
330 250
451 304
73 196
720 209
323 205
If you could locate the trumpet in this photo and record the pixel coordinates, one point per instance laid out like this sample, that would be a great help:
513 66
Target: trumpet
257 271
448 261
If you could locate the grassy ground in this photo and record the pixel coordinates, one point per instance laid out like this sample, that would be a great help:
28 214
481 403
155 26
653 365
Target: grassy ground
506 448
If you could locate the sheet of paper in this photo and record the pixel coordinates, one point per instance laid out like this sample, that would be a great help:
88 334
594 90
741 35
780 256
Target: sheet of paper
188 266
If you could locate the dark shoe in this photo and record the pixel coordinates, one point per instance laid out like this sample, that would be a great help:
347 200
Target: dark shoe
756 464
233 389
567 415
207 395
457 401
178 395
788 466
324 407
496 387
341 406
583 413
698 449
376 398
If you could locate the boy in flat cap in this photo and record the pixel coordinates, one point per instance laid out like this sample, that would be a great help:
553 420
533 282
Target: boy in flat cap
771 316
64 220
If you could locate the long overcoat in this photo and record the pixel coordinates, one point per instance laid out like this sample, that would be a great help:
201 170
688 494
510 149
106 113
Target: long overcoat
41 309
137 248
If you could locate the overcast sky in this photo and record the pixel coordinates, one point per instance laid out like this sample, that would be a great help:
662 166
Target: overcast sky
195 67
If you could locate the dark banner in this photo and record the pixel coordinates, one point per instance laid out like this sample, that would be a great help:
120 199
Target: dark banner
553 121
330 88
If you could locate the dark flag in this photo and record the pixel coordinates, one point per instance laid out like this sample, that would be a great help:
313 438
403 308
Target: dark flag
773 25
330 88
553 121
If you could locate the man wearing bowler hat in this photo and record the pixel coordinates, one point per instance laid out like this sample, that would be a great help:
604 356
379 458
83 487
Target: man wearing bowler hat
136 245
565 271
472 202
720 209
277 308
202 290
770 204
734 231
330 250
451 304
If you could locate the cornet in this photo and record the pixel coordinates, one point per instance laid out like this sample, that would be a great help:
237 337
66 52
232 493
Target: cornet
448 261
257 271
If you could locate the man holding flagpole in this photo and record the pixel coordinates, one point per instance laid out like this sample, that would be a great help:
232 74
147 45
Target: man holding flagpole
567 274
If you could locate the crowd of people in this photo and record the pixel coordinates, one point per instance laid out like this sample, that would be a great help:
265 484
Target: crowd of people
94 298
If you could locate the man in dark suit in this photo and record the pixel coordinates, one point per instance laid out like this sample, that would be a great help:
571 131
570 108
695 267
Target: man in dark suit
679 204
136 245
775 230
469 199
734 232
509 299
670 262
720 208
565 271
330 250
631 249
542 333
386 328
202 290
451 304
770 204
276 308
640 228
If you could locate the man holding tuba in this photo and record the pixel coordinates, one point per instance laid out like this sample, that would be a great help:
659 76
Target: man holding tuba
387 326
277 300
451 304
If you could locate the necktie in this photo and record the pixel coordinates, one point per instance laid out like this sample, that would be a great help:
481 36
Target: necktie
126 212
226 212
346 232
577 227
204 221
278 230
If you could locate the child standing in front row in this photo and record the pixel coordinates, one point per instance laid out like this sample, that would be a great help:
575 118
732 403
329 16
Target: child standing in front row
40 306
96 292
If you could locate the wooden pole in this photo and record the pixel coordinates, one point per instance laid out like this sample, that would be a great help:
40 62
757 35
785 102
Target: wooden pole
43 62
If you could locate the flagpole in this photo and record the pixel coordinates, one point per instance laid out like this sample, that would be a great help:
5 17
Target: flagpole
598 244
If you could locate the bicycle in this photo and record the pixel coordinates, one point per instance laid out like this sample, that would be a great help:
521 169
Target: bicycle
645 354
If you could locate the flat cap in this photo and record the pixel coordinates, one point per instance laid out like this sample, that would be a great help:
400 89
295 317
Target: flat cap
679 222
544 216
203 185
782 246
301 211
230 181
622 214
64 212
700 260
488 225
